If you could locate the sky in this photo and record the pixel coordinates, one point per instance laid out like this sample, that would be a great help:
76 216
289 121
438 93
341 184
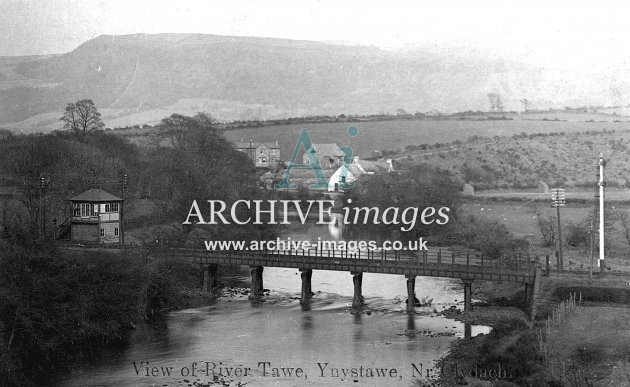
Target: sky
579 36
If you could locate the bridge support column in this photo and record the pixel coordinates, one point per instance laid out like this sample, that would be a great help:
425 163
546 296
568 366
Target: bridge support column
357 280
210 280
257 282
411 292
307 292
467 295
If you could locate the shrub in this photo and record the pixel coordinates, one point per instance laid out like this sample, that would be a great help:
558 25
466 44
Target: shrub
507 326
577 235
516 300
521 359
489 237
594 294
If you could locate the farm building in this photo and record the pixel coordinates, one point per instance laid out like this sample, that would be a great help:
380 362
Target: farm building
263 154
357 169
328 155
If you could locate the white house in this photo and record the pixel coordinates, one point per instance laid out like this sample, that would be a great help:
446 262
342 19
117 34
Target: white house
357 169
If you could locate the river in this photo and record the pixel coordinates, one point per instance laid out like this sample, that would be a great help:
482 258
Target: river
381 345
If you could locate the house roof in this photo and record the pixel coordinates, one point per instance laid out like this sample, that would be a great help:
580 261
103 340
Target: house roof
306 173
246 145
328 149
367 166
95 195
357 169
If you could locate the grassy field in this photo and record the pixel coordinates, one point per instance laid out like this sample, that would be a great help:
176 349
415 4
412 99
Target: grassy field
592 343
577 195
516 153
521 219
569 159
396 135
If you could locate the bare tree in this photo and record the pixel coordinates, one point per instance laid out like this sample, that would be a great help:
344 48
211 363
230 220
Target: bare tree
618 93
623 217
155 137
526 104
546 226
496 105
174 127
205 120
82 117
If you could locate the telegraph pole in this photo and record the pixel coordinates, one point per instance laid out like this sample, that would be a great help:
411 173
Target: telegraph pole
44 183
602 184
557 198
123 187
590 266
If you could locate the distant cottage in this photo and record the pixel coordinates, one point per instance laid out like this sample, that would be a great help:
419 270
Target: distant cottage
262 154
356 170
95 217
328 155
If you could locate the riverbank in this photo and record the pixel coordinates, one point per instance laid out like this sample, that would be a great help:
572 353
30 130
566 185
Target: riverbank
508 353
589 345
58 307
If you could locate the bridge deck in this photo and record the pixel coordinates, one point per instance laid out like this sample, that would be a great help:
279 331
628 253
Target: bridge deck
440 263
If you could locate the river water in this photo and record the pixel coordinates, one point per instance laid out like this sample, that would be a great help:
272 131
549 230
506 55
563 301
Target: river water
234 341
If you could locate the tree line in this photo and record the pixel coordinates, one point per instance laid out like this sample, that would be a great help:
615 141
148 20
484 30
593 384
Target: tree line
41 172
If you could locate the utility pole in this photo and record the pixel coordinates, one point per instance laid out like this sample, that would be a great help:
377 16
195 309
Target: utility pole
593 217
44 182
602 184
557 198
590 267
123 187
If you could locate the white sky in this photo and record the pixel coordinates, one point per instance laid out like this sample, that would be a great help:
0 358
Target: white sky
583 36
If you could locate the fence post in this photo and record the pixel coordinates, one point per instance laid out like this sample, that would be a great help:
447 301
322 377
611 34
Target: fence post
547 265
558 262
468 263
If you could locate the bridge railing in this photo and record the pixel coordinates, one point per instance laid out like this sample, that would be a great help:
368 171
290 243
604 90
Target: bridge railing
437 258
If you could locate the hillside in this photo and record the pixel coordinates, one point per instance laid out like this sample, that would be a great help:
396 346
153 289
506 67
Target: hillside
523 160
136 79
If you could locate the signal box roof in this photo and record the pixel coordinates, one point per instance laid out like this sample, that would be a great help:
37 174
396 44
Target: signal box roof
95 195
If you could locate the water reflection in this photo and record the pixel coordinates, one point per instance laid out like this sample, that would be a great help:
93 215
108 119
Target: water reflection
307 322
335 228
411 322
285 332
305 305
235 332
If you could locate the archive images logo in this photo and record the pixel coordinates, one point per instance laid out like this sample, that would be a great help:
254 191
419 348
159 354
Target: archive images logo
314 165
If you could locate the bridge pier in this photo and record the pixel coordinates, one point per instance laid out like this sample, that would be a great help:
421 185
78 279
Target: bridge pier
467 295
307 291
411 292
467 330
210 277
357 280
257 282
